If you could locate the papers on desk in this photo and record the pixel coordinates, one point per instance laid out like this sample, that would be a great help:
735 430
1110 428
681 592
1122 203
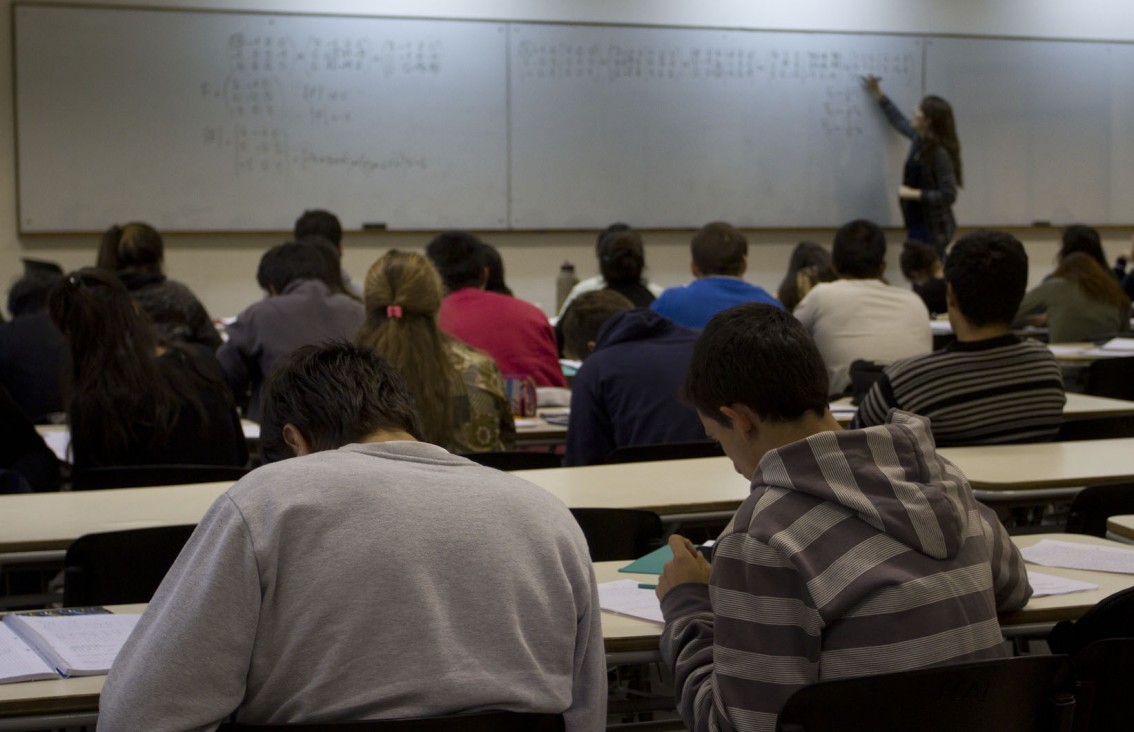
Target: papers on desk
625 597
1125 345
1114 348
1071 555
59 441
1045 585
46 644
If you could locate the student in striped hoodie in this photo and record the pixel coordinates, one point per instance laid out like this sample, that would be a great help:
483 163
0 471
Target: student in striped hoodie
857 552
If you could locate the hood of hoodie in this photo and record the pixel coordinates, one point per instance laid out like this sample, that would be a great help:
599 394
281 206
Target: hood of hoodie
888 476
634 325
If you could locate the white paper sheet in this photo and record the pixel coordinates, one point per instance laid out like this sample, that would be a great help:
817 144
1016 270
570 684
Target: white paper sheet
626 598
59 441
1045 585
1080 556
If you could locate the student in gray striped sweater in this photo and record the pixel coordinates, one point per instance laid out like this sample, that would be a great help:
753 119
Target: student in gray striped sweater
857 552
988 386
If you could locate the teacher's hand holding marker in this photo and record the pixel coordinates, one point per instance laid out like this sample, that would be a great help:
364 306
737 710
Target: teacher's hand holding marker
932 172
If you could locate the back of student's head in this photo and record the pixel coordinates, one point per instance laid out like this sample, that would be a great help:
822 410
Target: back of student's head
29 293
318 222
988 273
585 317
809 264
623 259
290 262
759 356
134 247
334 394
332 266
1085 239
608 232
1095 280
859 250
458 257
495 264
917 260
719 249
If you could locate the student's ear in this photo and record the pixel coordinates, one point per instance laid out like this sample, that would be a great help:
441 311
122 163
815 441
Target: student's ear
696 272
742 418
294 439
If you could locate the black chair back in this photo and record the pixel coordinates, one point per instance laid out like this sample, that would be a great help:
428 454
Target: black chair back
479 722
1104 673
1111 617
516 460
119 567
1096 428
619 533
1024 694
665 451
1093 505
138 476
1111 377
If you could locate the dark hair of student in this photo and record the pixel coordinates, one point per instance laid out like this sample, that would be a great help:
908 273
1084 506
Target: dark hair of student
616 228
988 271
759 356
859 250
940 131
120 392
335 394
1085 239
458 257
584 318
495 264
811 261
286 263
719 249
917 259
332 265
29 293
1096 281
135 247
403 295
623 259
318 222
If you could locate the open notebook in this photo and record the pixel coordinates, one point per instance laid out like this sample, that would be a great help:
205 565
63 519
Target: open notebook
47 644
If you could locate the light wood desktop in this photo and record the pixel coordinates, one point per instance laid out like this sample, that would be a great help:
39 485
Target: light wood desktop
1121 526
1078 406
626 640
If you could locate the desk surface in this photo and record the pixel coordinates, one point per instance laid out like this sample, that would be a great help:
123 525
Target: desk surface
1044 464
620 634
1122 526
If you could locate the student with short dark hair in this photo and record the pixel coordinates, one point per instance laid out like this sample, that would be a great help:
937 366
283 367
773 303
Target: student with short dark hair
925 271
300 309
515 333
855 553
988 386
33 353
370 576
136 253
860 316
626 391
720 258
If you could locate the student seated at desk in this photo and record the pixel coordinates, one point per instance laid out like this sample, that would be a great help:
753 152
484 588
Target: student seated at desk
626 391
988 386
133 399
1081 301
856 552
33 353
369 576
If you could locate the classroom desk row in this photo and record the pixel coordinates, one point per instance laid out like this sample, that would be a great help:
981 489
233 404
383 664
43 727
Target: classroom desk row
675 489
70 702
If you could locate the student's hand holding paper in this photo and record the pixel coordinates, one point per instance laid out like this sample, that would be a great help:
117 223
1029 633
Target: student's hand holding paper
688 565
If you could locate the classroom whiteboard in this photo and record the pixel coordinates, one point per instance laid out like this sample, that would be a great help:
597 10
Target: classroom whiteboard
676 127
227 121
1046 127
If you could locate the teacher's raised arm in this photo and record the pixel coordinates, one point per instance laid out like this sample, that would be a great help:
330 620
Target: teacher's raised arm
932 172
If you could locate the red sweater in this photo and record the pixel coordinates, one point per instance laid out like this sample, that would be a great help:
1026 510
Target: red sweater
515 333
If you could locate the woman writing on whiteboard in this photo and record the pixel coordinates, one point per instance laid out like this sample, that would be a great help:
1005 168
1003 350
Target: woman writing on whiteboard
932 172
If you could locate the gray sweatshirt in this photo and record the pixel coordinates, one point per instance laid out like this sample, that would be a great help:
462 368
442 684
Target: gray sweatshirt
375 581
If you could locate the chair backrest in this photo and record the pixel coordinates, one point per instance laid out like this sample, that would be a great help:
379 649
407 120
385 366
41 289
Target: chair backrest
1093 505
619 533
1111 617
479 722
1097 428
516 460
137 476
1022 694
119 567
863 374
665 451
1104 675
1111 377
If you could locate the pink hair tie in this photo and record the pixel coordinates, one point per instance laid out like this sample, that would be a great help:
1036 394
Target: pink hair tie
393 311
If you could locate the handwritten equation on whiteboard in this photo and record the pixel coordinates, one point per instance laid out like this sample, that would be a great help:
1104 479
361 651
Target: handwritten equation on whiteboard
749 69
284 100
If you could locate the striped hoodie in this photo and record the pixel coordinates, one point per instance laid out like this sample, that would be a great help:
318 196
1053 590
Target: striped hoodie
857 552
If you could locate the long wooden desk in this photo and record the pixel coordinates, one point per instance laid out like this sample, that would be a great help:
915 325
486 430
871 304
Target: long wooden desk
1121 526
1077 407
46 704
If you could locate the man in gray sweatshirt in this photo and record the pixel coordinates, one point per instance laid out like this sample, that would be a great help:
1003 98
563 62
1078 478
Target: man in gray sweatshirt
368 575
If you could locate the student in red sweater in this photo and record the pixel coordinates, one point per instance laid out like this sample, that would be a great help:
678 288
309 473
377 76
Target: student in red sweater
515 333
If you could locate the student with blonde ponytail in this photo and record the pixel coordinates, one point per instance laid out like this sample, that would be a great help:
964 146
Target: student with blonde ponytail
458 390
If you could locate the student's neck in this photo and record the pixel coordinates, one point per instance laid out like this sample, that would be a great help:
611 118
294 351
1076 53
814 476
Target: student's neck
809 424
966 332
384 435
